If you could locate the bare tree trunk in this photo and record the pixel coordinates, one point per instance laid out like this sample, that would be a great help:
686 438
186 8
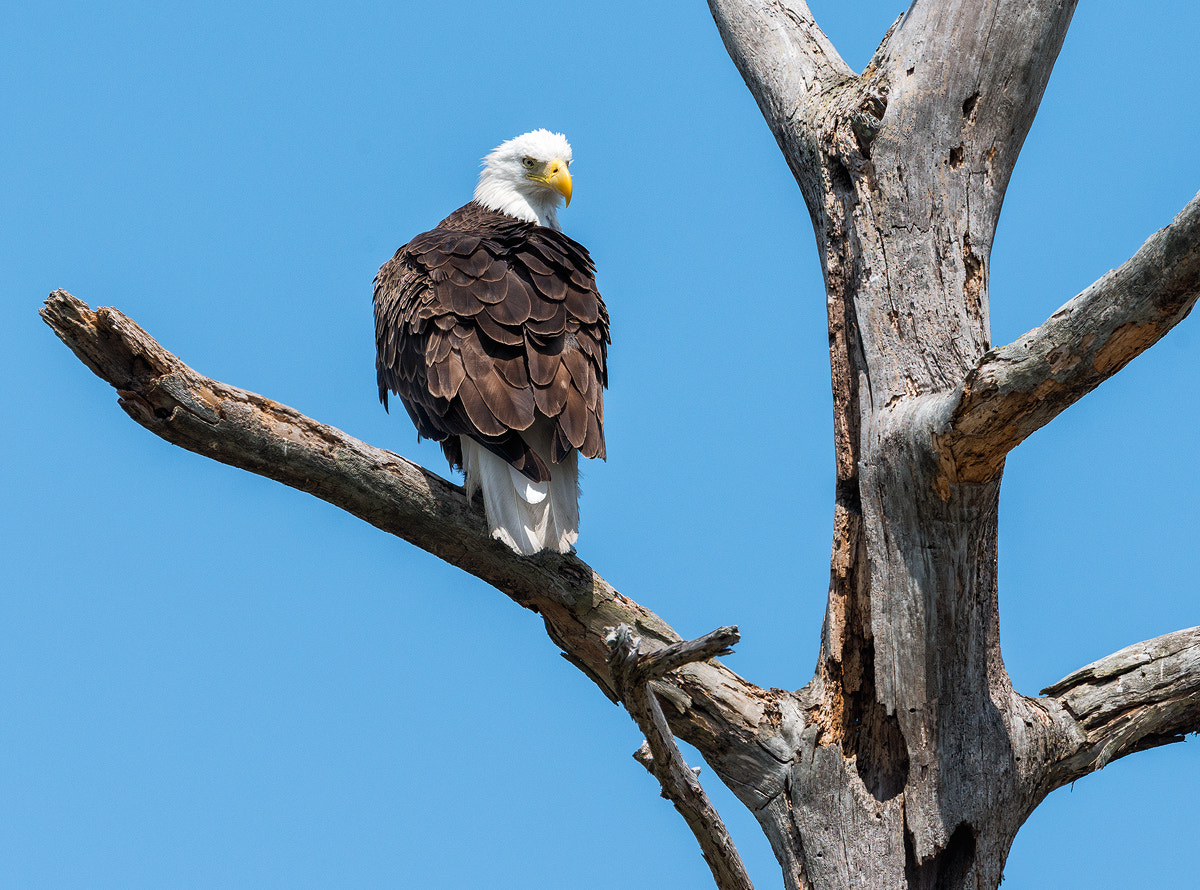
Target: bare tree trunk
908 761
921 762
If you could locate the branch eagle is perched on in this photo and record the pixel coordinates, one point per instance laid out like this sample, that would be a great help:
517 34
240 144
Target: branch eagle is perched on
491 331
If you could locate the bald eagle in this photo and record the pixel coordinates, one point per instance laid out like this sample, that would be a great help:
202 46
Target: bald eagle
491 331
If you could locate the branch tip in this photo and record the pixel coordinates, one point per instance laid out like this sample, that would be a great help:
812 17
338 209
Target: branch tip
1144 696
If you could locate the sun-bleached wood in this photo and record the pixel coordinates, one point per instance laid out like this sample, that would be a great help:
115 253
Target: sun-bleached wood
243 429
1146 695
920 762
1021 387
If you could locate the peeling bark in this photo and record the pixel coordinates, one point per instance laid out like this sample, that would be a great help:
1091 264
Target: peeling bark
919 762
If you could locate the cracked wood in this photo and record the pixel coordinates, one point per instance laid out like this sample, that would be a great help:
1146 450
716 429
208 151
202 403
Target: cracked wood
718 711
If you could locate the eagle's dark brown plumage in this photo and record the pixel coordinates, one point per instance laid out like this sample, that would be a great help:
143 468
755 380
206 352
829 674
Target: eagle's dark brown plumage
491 331
484 325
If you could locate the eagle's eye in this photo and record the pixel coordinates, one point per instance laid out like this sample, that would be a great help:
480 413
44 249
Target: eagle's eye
527 163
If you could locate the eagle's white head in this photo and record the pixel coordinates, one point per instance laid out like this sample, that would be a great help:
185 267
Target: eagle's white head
527 176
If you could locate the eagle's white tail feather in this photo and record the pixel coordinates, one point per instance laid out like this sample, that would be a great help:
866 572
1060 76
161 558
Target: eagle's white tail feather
531 492
527 516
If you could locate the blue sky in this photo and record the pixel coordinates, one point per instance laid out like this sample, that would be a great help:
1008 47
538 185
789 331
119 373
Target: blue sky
207 679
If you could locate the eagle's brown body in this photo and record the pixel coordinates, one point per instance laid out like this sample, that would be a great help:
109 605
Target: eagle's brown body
487 326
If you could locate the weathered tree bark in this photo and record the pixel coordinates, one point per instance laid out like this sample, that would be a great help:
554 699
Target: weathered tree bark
921 761
1146 695
908 761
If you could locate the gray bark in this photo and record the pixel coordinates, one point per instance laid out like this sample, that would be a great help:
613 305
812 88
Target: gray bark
1021 387
1146 695
908 761
921 761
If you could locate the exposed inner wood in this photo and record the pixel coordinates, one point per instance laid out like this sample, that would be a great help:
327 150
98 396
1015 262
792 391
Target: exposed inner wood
917 746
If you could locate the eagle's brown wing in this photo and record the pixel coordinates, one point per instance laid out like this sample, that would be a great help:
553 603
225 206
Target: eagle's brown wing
486 323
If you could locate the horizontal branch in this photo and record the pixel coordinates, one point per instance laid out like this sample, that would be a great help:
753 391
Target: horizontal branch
1146 695
717 711
632 670
1019 388
653 665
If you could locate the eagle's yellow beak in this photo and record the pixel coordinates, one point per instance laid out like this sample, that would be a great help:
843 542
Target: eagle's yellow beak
558 178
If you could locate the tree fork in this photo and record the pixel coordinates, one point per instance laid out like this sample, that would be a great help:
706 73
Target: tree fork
634 672
775 749
926 760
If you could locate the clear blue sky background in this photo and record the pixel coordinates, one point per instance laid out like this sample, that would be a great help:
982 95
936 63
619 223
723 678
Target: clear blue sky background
210 680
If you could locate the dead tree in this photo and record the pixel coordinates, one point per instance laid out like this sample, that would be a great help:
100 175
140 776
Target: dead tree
908 761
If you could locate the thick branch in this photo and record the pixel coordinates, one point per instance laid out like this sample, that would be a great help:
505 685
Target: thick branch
633 672
781 53
1021 387
715 710
1146 695
791 69
968 77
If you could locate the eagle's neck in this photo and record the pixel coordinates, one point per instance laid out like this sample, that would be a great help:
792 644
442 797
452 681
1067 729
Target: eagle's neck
536 205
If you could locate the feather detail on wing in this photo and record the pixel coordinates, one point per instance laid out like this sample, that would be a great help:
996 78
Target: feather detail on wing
487 323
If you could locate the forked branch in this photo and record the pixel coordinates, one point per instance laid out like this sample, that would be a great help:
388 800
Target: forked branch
1019 388
633 671
1146 695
